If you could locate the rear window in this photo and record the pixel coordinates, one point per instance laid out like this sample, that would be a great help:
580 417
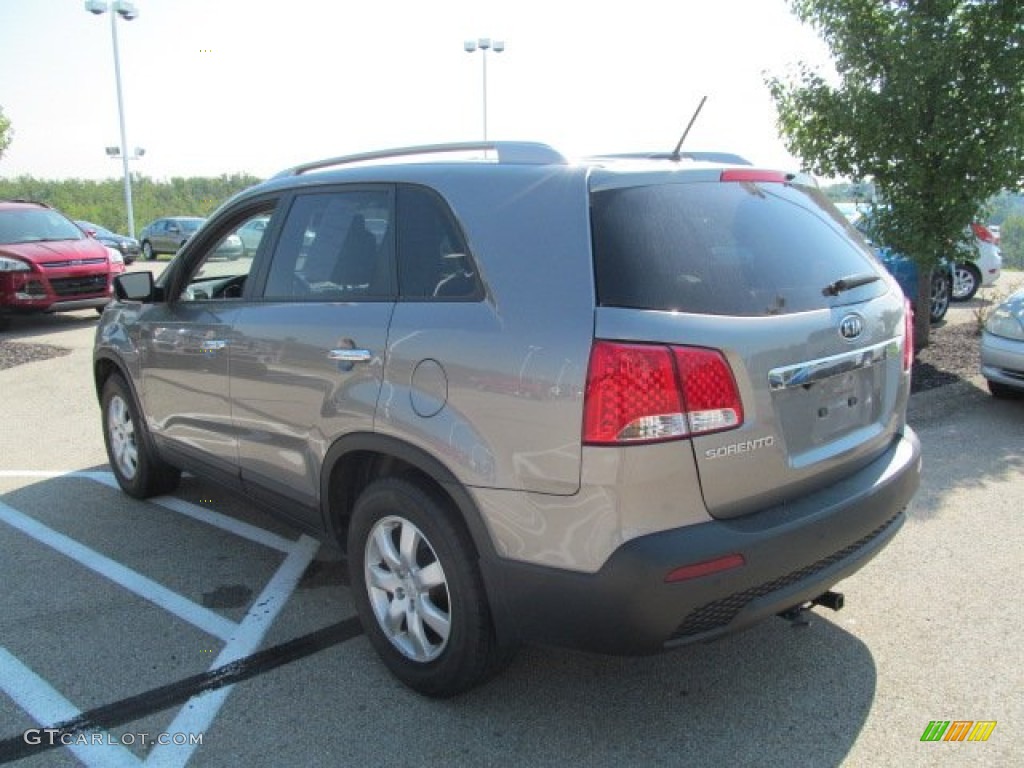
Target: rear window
724 248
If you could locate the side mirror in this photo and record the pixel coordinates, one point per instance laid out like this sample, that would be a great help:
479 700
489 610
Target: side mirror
134 286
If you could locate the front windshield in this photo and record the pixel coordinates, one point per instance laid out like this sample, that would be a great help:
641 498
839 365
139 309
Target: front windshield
36 225
191 225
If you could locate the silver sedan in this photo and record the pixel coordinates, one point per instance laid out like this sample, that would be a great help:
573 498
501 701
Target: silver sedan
1002 348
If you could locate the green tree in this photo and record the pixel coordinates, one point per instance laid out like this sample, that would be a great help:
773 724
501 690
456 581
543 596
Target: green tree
6 134
1011 241
929 106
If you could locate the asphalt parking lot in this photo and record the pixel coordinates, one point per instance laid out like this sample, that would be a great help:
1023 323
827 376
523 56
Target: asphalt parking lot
195 630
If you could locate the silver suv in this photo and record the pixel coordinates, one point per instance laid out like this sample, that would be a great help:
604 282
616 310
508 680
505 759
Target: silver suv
621 404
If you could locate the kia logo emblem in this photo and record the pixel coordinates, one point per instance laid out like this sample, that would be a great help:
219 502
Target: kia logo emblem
851 327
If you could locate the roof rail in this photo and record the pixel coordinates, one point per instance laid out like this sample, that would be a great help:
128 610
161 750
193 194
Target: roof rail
508 152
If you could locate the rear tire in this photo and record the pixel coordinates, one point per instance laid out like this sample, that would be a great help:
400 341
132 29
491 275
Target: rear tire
418 590
941 293
1004 392
147 251
139 470
966 282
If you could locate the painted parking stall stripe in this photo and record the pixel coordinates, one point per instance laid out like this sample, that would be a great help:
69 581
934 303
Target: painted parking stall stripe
196 615
202 695
39 699
175 694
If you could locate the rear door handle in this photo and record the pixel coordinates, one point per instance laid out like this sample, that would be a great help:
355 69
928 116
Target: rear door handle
350 355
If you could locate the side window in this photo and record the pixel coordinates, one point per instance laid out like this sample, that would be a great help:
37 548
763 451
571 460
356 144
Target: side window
221 272
433 260
334 246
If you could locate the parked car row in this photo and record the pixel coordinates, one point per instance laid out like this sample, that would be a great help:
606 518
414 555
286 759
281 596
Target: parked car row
128 247
169 234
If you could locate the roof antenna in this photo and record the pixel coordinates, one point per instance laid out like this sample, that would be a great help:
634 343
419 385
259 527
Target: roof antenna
676 156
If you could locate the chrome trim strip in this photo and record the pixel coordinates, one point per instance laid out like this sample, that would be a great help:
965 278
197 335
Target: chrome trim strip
804 374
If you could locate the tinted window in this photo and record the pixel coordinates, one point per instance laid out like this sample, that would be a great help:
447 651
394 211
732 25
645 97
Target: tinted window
724 249
433 260
334 247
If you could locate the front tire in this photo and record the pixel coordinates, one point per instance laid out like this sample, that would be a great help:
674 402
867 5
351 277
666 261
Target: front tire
139 471
418 589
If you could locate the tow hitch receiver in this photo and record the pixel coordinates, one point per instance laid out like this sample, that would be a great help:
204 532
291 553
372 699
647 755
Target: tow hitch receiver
798 614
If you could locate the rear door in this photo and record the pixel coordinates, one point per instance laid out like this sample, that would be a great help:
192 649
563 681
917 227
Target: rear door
770 274
307 358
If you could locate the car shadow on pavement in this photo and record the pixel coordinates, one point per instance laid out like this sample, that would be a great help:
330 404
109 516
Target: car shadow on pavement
774 695
981 445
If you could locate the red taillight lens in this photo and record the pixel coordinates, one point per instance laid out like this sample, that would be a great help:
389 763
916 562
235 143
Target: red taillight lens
631 395
908 335
710 396
983 233
647 393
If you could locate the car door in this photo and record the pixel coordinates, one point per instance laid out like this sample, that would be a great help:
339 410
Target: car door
185 346
307 358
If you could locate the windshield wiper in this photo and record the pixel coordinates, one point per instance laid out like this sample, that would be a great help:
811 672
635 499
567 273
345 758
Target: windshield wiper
850 282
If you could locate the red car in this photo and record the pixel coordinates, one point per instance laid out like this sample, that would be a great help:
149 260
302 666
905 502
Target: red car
47 264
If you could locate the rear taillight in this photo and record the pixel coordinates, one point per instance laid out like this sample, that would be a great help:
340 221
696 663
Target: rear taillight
908 335
640 393
983 233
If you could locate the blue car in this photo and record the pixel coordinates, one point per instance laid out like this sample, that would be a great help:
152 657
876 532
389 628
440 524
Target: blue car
903 268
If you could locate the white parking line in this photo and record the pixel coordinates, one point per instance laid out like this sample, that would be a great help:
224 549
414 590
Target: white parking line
173 503
198 713
48 707
196 615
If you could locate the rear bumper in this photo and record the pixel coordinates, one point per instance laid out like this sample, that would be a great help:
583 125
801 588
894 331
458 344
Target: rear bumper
792 553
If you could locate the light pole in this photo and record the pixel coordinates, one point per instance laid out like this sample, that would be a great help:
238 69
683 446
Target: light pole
127 11
484 44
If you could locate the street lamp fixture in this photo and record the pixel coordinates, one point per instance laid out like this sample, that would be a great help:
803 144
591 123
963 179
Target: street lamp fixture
127 11
484 44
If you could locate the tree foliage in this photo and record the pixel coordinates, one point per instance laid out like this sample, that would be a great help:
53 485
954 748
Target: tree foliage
929 106
1012 241
102 202
6 134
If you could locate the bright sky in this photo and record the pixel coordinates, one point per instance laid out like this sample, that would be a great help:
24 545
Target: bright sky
227 86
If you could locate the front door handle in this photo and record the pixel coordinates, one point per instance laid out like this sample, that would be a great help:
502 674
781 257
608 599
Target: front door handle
350 355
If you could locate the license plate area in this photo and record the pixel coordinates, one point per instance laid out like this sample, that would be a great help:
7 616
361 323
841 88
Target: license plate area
821 401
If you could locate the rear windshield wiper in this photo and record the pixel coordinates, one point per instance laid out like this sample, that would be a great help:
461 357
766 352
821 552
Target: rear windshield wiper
850 282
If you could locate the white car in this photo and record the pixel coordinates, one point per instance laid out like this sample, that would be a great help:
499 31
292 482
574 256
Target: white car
1002 348
969 276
